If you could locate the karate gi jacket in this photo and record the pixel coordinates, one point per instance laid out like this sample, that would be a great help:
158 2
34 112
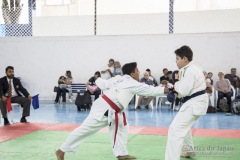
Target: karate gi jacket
112 89
192 80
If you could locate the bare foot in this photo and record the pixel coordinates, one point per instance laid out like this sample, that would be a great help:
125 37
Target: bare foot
126 157
60 154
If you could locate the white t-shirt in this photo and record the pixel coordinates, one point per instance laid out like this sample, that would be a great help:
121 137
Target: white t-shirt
208 82
107 75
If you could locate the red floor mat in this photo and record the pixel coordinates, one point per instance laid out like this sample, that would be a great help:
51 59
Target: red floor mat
19 129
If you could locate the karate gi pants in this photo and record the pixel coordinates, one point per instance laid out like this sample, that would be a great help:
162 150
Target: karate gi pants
180 135
90 126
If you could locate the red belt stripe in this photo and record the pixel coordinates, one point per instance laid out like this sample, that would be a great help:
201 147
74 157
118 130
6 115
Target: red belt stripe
117 110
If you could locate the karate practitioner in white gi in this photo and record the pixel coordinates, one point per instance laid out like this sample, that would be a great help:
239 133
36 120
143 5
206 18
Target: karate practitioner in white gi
191 86
118 92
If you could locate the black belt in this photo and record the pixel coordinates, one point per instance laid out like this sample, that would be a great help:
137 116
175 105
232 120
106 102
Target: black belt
185 99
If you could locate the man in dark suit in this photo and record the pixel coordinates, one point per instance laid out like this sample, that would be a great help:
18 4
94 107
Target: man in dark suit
11 87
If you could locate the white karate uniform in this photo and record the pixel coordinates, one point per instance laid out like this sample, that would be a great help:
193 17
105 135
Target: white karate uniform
191 80
96 119
107 75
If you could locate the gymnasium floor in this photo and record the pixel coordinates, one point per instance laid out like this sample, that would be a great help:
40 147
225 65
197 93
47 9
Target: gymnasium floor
216 136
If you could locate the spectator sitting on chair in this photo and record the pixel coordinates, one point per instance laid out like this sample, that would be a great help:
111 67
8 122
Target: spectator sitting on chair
165 75
10 87
152 78
68 82
209 75
148 81
61 89
91 86
223 87
233 78
117 69
169 74
107 71
176 76
208 83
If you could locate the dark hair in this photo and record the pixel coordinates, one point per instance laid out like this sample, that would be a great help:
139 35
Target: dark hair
164 69
129 68
185 51
62 77
97 73
169 72
173 74
148 70
175 71
210 73
69 74
9 67
111 60
233 69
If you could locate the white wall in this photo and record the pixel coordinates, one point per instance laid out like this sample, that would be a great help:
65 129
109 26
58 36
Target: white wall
40 61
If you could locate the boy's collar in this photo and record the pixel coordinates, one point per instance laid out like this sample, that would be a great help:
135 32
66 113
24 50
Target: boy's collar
187 65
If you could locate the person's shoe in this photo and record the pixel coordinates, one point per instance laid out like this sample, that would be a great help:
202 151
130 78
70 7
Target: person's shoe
6 122
167 103
23 120
55 102
188 155
138 107
146 107
228 114
176 108
126 157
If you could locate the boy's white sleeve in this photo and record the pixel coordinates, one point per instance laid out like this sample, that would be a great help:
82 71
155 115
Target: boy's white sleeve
106 84
102 84
145 89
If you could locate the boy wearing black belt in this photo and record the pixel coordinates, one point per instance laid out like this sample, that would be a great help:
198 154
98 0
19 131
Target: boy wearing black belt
191 89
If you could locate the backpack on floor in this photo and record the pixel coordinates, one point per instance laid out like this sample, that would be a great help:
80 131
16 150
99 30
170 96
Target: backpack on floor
223 105
211 109
83 101
236 105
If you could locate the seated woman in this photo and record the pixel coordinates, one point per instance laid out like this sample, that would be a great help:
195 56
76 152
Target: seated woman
68 82
61 90
223 86
91 86
117 69
208 83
